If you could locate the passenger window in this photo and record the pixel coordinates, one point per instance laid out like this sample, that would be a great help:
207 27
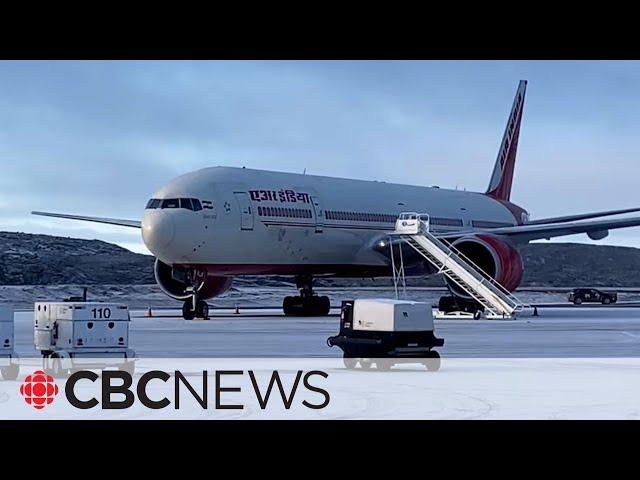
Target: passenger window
196 205
186 203
170 203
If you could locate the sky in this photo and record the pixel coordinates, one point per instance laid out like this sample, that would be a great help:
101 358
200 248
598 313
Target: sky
100 137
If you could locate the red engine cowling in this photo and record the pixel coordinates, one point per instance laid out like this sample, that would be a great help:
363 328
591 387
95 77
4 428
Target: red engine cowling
496 258
175 288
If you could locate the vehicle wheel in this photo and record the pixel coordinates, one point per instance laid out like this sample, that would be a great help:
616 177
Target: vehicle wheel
365 363
202 310
383 365
10 372
129 367
350 363
56 368
477 315
606 301
433 362
187 311
577 301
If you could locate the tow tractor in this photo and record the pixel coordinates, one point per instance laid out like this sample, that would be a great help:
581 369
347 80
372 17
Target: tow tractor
387 332
79 334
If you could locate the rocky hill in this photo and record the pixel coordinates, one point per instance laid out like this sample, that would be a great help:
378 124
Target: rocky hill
27 259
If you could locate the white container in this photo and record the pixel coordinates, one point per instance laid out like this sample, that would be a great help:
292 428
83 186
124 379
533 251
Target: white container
81 326
382 315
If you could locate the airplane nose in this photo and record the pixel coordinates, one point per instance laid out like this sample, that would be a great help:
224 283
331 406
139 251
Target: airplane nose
158 230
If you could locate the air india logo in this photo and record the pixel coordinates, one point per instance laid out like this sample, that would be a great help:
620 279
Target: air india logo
39 390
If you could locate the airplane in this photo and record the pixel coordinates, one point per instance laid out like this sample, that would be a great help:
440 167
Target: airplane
210 225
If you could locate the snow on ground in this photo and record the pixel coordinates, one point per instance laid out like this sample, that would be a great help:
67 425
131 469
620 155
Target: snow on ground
567 363
462 389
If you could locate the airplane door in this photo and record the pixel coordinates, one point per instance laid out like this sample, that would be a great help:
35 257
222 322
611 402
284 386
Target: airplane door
246 210
319 213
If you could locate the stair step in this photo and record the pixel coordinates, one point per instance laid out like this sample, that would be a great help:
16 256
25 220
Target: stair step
483 289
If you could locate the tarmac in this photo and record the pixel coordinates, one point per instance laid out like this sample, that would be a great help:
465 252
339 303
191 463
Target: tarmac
567 332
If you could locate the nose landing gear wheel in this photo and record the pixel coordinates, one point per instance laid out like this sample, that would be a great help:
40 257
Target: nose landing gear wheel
202 310
187 310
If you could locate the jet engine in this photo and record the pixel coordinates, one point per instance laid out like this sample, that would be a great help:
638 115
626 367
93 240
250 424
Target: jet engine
173 282
494 257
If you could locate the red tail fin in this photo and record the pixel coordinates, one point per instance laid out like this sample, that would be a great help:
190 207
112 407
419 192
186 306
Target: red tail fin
502 177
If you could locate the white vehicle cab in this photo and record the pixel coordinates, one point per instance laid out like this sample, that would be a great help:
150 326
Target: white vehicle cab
82 334
411 223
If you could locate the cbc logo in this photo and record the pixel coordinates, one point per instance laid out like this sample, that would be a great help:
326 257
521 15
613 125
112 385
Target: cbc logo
39 390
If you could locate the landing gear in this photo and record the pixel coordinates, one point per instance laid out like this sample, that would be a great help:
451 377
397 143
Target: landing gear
201 309
452 303
194 307
307 304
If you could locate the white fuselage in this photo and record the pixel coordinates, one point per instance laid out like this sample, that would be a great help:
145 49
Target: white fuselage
262 222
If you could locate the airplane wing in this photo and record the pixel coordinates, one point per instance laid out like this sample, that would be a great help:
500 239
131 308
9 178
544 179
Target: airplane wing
584 216
596 229
110 221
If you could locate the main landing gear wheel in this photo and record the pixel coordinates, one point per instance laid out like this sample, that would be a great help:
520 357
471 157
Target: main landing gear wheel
306 307
307 304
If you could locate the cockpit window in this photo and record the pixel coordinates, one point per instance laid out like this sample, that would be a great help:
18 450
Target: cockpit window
171 203
186 203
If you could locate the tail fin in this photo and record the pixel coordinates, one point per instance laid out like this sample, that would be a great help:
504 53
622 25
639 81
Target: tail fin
502 177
